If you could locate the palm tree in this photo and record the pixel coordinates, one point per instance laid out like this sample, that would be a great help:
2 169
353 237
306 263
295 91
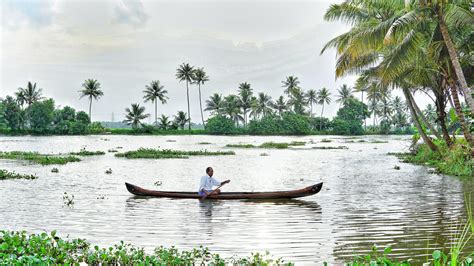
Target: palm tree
134 116
232 108
200 78
290 84
261 105
298 101
164 122
280 105
91 89
153 93
245 94
430 113
20 98
214 104
324 97
185 72
180 119
345 93
312 97
30 94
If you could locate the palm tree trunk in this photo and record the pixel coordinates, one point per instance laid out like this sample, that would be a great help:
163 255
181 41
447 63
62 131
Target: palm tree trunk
189 111
321 119
311 112
414 115
455 61
441 109
425 121
462 121
156 113
90 107
200 105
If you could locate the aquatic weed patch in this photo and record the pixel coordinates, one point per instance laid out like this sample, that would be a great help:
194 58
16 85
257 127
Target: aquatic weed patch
143 153
87 153
20 248
4 174
43 159
331 148
269 145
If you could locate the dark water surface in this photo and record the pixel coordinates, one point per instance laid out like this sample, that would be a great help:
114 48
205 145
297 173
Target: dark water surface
364 200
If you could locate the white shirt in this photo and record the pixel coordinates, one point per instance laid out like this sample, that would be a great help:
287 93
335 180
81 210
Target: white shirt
207 182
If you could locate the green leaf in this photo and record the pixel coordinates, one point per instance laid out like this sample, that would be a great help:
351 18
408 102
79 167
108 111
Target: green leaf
387 250
436 255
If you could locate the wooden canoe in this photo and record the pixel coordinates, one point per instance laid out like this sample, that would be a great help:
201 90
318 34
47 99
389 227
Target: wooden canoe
307 191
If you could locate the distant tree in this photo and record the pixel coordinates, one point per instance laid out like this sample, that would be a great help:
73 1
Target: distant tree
298 101
180 119
312 97
324 97
345 93
280 105
350 117
29 95
290 83
134 116
91 89
41 115
154 92
12 113
245 94
232 108
261 106
215 104
164 122
200 77
186 72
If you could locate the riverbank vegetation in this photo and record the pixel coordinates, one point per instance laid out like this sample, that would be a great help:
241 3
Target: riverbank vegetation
43 159
143 153
18 248
4 174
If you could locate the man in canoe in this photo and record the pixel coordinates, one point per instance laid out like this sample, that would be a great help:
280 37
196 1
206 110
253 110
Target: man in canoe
207 182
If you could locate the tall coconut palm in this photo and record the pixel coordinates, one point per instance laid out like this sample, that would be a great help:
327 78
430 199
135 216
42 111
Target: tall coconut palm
91 89
345 93
154 92
280 105
261 106
180 119
298 101
164 122
30 94
245 94
200 77
232 108
20 98
135 115
312 97
324 97
290 83
186 72
215 104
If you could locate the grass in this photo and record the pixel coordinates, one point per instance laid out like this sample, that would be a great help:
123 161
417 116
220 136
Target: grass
269 145
43 159
204 143
452 161
84 152
4 174
21 248
331 148
143 153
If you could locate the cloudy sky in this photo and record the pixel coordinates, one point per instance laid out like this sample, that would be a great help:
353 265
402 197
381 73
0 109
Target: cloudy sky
126 44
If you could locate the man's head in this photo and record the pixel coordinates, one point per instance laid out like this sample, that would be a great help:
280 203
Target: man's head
209 171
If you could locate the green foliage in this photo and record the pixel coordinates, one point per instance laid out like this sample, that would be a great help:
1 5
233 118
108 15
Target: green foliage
43 159
269 145
350 117
320 123
3 120
4 174
143 153
221 125
20 248
41 114
288 124
12 113
84 152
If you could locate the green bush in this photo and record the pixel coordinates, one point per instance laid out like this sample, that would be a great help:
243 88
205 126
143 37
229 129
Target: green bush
288 124
220 125
350 117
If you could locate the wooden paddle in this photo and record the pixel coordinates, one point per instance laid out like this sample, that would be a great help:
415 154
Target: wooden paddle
223 183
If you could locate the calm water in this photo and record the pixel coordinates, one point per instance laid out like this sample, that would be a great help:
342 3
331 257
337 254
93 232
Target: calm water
364 200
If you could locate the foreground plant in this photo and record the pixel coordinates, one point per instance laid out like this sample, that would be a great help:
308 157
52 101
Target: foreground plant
43 159
20 248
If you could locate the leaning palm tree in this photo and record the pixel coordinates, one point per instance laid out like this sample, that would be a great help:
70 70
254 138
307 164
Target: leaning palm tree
280 105
214 104
186 72
164 122
312 97
345 93
180 119
134 116
245 94
200 78
30 94
91 89
290 83
153 93
324 97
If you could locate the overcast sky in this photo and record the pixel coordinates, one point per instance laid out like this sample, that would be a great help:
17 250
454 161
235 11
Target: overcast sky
126 44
